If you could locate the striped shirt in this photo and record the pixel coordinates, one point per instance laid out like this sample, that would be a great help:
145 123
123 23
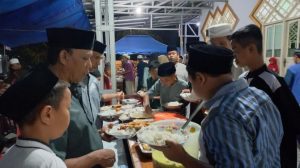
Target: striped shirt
282 97
243 128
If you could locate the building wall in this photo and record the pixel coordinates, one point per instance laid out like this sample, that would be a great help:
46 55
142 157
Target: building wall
242 9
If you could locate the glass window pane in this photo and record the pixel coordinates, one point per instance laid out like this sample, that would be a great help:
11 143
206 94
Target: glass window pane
269 38
277 52
269 53
278 35
292 37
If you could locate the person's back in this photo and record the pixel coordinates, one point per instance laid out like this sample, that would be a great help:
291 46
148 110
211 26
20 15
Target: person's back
250 114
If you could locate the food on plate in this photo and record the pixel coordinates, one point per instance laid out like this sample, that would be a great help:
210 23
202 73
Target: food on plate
105 108
135 124
124 117
140 115
121 132
117 106
156 135
192 129
175 103
146 147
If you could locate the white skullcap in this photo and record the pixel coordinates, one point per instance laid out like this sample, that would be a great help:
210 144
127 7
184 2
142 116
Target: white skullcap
126 55
162 59
14 61
139 57
219 30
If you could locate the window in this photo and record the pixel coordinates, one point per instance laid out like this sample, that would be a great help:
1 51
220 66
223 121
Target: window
293 37
273 40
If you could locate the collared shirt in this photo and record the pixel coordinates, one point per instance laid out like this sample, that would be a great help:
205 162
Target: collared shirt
181 72
243 128
29 153
292 79
82 135
168 93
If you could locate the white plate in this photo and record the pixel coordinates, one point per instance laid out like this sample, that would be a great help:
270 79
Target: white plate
156 135
173 105
105 108
121 133
128 106
130 101
110 113
138 114
189 97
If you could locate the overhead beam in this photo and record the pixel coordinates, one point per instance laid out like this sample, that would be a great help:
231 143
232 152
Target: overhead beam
143 28
169 14
159 7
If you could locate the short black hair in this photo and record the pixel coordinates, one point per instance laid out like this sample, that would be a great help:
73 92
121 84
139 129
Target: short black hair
53 54
250 34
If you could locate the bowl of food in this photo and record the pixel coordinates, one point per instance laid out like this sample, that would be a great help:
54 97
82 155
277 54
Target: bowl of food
173 105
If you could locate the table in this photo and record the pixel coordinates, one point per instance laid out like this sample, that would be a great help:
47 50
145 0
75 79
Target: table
139 159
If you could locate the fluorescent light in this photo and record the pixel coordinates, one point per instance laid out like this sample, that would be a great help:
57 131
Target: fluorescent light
138 10
198 23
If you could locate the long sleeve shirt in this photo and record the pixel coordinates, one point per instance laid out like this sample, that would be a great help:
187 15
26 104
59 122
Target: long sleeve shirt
243 128
275 86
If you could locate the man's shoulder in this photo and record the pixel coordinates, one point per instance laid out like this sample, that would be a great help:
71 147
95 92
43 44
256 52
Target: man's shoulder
269 79
182 83
180 65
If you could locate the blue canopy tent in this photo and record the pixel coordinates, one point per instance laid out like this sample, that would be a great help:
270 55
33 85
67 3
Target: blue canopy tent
24 21
139 44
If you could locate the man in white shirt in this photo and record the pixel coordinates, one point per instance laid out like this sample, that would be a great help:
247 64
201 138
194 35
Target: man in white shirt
173 56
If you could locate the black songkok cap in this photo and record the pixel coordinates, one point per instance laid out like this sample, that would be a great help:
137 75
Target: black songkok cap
193 44
22 97
171 48
71 38
210 59
153 64
99 47
166 69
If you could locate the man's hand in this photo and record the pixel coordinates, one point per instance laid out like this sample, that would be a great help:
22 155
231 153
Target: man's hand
141 93
105 136
105 157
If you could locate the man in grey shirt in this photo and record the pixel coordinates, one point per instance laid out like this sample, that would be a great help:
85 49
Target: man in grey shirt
167 88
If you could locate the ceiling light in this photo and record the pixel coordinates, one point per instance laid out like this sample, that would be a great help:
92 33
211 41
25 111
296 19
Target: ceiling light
138 10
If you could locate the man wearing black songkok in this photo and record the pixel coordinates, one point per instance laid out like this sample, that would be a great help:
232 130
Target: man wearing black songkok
168 87
173 56
69 58
243 127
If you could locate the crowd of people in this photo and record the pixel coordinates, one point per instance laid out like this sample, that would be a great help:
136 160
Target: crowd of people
252 114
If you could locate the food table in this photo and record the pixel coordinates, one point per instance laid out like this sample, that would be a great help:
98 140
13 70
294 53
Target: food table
135 153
